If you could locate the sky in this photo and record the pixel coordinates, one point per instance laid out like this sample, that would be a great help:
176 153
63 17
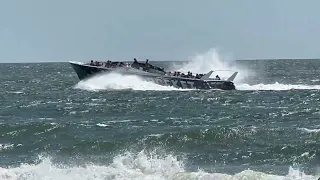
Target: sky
81 30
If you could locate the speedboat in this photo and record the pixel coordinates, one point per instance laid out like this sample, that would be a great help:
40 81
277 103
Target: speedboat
154 74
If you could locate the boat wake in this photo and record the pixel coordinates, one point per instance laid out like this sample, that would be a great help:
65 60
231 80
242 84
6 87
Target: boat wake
276 87
132 166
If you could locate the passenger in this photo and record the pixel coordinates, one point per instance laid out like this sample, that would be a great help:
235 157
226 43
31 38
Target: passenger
217 77
147 65
92 63
189 74
109 64
114 64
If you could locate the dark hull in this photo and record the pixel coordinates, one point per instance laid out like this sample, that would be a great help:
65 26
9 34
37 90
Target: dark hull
85 71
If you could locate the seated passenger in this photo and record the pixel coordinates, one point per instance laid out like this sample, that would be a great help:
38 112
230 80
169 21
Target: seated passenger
217 77
92 63
108 64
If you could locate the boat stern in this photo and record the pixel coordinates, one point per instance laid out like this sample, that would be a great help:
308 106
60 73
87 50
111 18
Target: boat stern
223 85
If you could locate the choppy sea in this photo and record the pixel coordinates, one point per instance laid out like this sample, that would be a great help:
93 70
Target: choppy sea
55 127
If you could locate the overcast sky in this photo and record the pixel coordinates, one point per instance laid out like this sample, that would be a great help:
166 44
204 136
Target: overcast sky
63 30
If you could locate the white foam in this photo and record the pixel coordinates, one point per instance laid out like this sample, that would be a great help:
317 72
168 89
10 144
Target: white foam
132 166
309 130
276 87
6 146
102 125
115 81
315 80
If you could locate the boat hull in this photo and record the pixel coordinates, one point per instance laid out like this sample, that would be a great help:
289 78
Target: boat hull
85 71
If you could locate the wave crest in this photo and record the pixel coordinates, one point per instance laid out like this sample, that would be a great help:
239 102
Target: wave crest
131 166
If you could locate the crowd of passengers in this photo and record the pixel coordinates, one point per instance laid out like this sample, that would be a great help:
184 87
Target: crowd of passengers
110 64
189 75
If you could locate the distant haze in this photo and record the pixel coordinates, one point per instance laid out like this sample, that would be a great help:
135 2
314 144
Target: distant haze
63 30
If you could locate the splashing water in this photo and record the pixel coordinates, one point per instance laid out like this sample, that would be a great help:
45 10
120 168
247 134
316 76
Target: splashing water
205 62
132 166
117 81
211 60
201 63
276 87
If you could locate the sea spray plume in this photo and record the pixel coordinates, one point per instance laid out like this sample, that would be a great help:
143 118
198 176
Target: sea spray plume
211 60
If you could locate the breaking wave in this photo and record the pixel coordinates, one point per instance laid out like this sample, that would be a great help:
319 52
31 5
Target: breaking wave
132 166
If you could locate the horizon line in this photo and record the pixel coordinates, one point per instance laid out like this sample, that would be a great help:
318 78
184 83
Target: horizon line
160 60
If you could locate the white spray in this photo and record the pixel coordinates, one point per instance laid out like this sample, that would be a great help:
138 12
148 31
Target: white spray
132 166
200 63
210 60
115 81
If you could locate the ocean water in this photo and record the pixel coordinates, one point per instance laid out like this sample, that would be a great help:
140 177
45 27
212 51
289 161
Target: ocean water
55 127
